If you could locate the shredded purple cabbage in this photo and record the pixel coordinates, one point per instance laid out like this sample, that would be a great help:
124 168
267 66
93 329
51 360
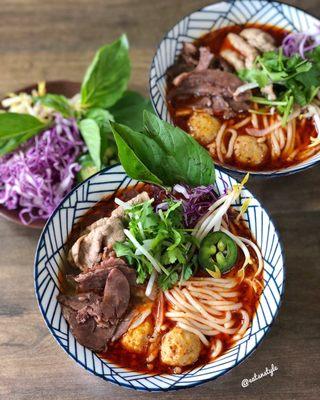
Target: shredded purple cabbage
300 43
195 201
34 178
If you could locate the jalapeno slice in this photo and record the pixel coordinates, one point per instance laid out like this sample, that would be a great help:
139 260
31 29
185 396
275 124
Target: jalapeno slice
218 250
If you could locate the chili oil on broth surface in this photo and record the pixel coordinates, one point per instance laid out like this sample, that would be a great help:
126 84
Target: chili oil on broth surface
117 353
227 139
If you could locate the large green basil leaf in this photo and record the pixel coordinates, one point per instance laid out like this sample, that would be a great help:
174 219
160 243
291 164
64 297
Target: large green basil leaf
129 110
180 157
16 129
91 135
164 153
107 77
128 141
14 124
57 102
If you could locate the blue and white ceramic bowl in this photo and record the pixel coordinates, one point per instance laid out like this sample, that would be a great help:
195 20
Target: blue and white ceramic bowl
217 16
51 252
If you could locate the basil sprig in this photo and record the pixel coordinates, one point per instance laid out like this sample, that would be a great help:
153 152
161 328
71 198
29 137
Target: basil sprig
104 98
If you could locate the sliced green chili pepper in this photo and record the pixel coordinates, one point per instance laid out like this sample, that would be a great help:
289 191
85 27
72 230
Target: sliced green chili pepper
218 250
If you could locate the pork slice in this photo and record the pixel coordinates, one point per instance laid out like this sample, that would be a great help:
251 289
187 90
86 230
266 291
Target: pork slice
116 295
205 59
259 39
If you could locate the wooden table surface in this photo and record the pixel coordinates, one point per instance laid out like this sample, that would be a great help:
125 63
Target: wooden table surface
46 40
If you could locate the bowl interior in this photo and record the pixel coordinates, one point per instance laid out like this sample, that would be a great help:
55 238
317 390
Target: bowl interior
51 251
66 88
215 16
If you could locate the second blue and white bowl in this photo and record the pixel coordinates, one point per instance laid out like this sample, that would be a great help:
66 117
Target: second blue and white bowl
217 16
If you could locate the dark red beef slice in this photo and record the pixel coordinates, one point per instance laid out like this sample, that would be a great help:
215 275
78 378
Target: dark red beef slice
88 333
217 85
77 302
123 325
116 295
95 279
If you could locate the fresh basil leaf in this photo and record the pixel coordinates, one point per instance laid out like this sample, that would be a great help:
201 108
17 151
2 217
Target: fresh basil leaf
129 110
163 154
16 129
102 118
177 157
107 77
88 167
127 142
91 134
16 125
108 151
57 102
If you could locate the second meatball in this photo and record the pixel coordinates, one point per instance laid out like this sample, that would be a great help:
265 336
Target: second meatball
248 151
180 348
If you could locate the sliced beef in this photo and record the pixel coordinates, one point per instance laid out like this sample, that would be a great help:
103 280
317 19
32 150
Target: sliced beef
217 85
123 325
94 279
116 295
88 333
94 318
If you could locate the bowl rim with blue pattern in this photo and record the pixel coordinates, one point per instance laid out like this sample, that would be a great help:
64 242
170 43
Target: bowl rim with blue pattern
51 251
217 15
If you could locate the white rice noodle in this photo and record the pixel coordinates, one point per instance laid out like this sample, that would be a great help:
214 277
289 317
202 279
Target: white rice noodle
244 326
281 138
242 246
194 308
216 349
275 147
242 123
231 142
271 128
219 141
197 332
258 253
140 318
254 121
289 140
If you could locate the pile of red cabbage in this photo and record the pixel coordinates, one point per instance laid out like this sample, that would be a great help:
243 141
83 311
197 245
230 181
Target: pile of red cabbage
34 178
195 201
